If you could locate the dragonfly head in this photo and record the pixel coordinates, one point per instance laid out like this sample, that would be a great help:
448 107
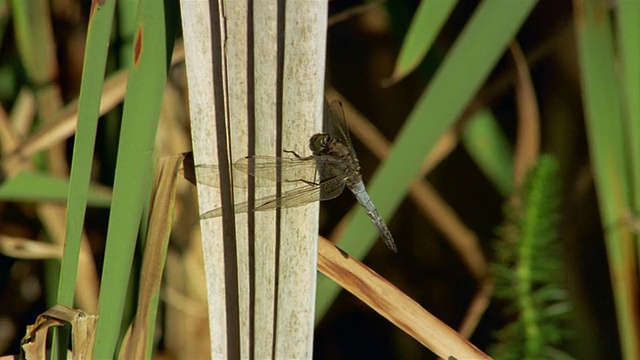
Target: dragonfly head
319 143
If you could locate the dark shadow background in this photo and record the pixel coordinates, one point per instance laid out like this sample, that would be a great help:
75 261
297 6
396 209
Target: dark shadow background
361 54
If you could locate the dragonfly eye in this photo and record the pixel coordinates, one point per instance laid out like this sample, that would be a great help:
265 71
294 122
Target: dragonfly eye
319 142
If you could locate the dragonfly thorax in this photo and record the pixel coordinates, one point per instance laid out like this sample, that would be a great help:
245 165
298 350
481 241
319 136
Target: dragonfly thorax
326 145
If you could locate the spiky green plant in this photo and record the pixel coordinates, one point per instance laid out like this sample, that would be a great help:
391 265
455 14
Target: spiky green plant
528 271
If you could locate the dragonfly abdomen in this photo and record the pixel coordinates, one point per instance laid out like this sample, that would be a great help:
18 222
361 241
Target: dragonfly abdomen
363 198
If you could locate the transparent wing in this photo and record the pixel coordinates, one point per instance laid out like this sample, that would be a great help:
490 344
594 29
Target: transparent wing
210 175
291 169
340 129
296 197
265 169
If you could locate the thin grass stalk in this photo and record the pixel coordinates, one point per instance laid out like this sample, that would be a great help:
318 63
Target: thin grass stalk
606 130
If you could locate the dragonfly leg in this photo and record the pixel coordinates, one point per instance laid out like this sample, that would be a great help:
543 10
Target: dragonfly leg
293 153
297 156
310 183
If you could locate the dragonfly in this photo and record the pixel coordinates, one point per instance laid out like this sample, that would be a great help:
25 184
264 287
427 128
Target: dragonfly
320 176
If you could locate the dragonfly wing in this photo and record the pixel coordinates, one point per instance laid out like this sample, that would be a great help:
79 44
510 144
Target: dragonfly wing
293 198
264 169
290 169
340 129
217 212
303 195
212 213
208 175
330 167
278 168
332 188
269 169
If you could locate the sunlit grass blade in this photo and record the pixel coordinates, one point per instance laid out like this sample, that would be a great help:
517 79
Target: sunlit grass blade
425 26
487 145
89 103
42 187
150 61
629 43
